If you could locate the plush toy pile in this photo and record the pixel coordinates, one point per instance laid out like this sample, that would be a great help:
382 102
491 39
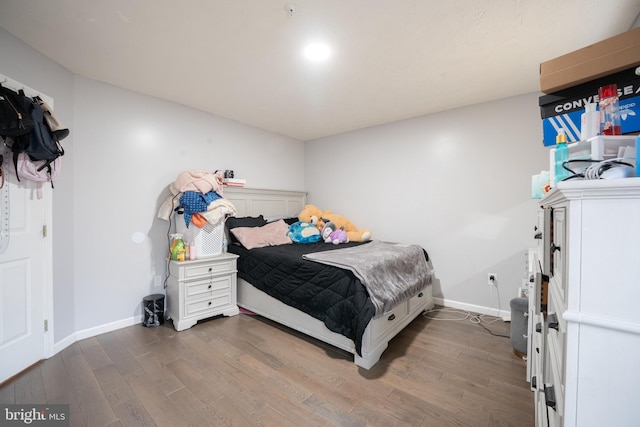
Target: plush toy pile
345 230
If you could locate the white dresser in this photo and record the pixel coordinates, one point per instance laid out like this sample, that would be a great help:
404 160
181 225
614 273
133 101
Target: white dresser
201 289
590 336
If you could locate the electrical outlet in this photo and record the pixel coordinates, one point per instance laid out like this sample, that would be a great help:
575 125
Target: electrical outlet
492 279
157 281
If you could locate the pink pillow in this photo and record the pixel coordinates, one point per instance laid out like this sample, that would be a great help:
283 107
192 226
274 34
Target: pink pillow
271 234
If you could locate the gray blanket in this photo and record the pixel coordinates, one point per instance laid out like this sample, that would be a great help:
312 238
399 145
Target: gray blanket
391 272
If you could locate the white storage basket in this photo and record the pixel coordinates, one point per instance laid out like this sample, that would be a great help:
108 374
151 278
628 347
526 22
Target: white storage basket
207 240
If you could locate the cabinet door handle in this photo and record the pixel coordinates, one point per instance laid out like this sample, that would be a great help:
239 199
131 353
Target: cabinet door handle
392 317
210 303
550 397
209 286
533 382
552 320
420 295
210 269
538 327
525 314
554 248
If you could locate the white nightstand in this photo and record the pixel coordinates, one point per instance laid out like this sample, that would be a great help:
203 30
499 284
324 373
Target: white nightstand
201 289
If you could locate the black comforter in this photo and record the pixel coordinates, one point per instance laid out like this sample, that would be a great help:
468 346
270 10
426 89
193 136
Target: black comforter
330 294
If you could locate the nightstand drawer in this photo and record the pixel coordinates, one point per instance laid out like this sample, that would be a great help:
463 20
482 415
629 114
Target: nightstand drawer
207 287
214 304
187 270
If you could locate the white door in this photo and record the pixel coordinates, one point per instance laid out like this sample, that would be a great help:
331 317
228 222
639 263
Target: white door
23 276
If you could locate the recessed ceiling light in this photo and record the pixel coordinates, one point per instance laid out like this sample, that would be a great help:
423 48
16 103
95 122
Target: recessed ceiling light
317 52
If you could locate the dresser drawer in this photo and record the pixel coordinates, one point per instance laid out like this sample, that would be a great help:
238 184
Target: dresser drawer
537 352
541 419
559 250
205 288
555 365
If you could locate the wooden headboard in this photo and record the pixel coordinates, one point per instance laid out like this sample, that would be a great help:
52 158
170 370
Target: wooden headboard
270 203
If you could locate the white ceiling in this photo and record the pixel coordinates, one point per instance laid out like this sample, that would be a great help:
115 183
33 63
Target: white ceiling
241 59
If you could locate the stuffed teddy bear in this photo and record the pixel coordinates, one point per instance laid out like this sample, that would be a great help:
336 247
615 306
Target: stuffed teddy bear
303 232
314 215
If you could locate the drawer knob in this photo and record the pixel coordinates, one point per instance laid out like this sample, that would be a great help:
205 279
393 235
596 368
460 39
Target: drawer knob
554 248
525 314
209 286
210 269
209 303
525 336
552 320
538 327
392 317
550 397
420 295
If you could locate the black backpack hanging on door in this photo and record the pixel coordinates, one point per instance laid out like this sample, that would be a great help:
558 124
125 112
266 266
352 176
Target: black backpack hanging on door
40 144
15 119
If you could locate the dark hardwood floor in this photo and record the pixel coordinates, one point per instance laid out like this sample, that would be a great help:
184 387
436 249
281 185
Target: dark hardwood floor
247 371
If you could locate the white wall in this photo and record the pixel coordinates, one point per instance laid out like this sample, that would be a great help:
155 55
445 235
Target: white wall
129 148
123 152
457 183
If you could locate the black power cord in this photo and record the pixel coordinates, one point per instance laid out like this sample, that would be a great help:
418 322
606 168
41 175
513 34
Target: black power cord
594 171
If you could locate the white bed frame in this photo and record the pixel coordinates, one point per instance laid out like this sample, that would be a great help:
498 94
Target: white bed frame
274 203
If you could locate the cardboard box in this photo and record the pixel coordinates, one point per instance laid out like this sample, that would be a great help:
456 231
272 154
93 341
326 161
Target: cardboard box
592 62
563 109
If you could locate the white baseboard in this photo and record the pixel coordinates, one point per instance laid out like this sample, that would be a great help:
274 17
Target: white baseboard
92 332
505 315
62 344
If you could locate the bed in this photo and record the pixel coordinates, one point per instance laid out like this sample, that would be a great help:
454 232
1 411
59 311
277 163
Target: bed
361 327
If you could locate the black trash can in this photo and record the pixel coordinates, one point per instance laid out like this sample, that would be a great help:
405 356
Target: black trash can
153 308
